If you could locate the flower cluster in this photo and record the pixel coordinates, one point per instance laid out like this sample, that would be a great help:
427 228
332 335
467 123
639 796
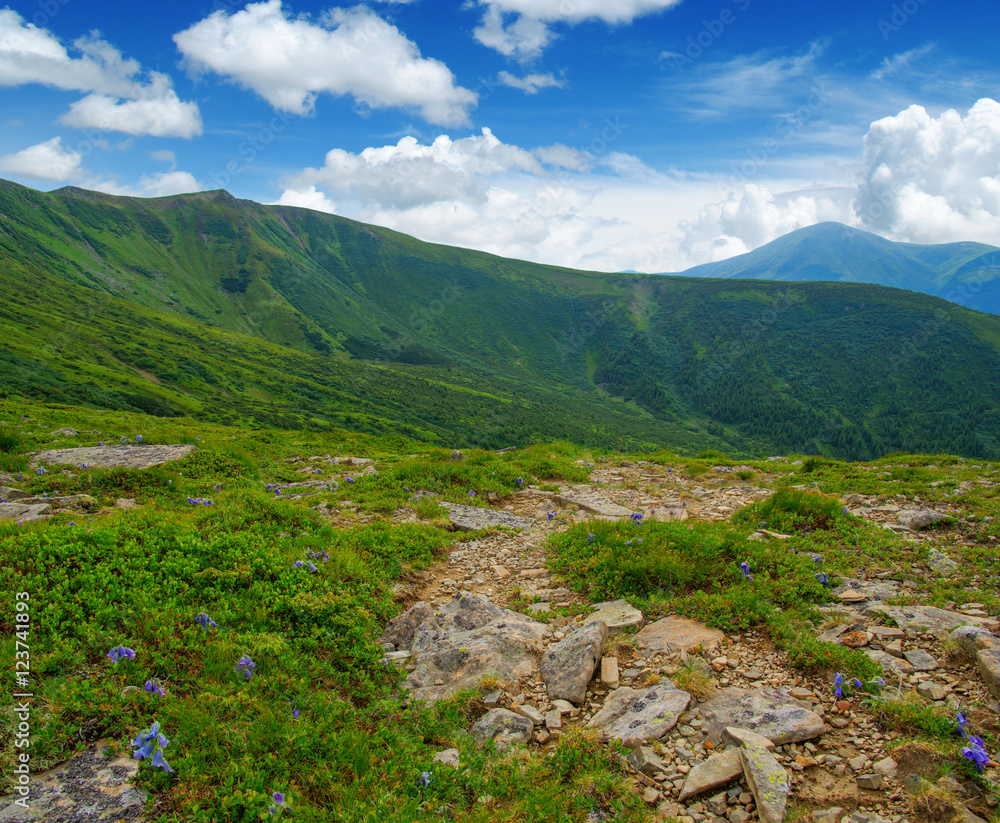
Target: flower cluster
206 622
976 749
151 744
121 652
278 805
591 538
636 518
199 501
745 568
246 666
155 687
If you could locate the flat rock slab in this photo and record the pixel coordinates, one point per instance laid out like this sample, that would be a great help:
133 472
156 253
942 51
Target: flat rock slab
592 503
930 617
668 512
713 773
7 493
768 782
676 634
939 562
568 665
24 512
111 457
472 518
635 717
921 660
89 787
771 713
617 615
890 663
468 639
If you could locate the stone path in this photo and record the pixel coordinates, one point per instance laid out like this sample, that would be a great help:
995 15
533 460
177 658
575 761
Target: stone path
829 755
130 456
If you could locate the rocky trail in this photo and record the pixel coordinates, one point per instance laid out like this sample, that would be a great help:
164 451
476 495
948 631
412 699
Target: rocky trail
755 736
718 726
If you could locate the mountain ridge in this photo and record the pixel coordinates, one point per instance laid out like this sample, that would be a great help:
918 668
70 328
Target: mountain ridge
276 315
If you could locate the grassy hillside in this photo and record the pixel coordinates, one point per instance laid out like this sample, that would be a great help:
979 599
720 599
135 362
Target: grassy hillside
231 311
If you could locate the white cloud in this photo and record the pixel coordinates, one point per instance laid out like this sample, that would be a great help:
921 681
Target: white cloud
169 182
609 211
48 161
527 34
409 173
756 81
898 63
160 113
289 61
118 98
531 83
933 179
307 198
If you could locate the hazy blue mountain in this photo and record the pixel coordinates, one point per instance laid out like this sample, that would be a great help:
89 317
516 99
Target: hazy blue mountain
964 273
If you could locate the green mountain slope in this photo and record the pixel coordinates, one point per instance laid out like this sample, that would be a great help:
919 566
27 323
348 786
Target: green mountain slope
963 273
229 310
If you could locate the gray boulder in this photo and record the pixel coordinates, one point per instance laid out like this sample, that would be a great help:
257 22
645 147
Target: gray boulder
468 639
568 665
503 728
617 615
768 781
401 629
713 773
919 518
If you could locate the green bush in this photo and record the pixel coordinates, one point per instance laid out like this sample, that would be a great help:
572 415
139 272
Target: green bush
792 510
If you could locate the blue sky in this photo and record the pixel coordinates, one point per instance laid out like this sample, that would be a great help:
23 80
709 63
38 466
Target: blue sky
606 134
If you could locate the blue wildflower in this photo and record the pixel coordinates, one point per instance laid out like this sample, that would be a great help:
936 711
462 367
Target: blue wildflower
350 479
298 563
636 518
838 682
425 777
138 438
295 714
817 558
857 683
471 493
206 622
246 666
962 723
550 515
590 538
121 652
976 752
745 568
151 744
155 687
520 482
822 578
628 542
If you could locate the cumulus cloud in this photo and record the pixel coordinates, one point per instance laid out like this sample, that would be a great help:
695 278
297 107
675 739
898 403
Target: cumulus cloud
522 28
289 61
933 179
119 98
48 161
921 179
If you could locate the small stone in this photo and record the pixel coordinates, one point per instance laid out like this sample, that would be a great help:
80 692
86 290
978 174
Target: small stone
932 691
531 713
885 767
737 737
449 757
609 672
651 797
872 782
754 674
553 720
895 648
858 763
645 760
921 660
